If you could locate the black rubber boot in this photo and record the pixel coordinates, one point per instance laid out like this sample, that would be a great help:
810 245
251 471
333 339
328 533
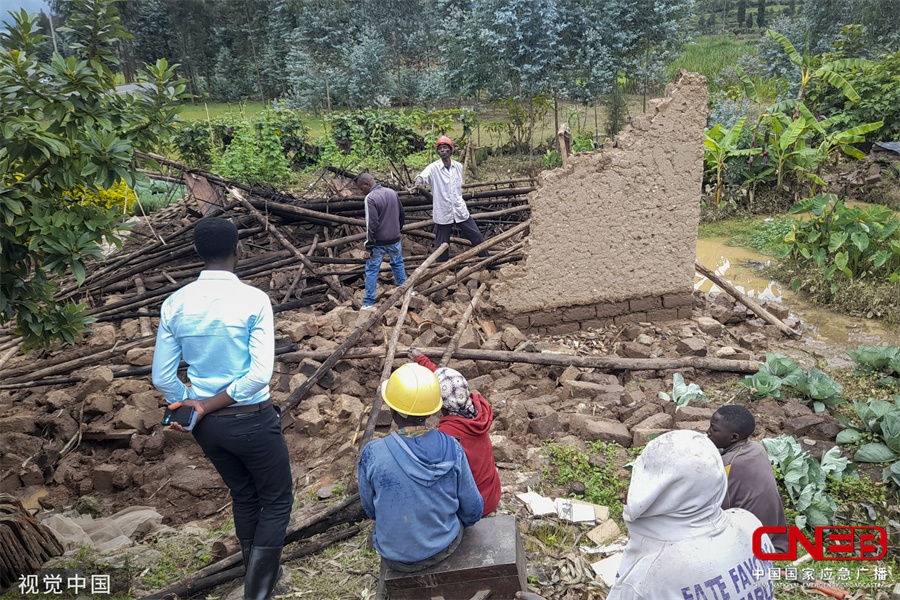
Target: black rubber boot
246 547
262 572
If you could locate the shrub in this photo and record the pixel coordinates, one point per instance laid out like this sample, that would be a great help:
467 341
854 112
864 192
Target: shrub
878 86
845 243
255 155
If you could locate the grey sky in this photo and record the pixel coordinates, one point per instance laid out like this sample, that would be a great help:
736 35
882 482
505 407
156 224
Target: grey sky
15 5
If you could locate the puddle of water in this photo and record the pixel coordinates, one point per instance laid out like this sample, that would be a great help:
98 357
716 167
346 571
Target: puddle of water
740 266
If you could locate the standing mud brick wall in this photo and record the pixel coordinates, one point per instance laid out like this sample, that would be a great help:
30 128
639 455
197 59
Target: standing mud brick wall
614 232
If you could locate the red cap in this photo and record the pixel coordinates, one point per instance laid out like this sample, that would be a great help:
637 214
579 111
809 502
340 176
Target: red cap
443 140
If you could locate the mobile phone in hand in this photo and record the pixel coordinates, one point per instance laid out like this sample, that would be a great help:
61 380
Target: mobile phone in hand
185 416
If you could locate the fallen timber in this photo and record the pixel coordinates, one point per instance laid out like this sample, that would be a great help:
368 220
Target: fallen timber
602 363
747 301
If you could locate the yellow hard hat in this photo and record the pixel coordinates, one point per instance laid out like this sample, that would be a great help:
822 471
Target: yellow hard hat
412 390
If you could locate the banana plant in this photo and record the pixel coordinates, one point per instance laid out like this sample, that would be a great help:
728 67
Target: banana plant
828 72
721 144
786 144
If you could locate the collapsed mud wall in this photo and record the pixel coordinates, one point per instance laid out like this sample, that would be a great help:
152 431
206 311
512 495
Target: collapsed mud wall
613 233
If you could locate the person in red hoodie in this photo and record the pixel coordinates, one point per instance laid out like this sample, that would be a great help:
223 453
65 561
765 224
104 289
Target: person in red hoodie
467 417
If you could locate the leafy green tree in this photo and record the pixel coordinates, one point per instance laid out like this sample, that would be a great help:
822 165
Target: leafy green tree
761 13
64 128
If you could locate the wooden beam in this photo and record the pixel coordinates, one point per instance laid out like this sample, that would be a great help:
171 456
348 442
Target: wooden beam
747 301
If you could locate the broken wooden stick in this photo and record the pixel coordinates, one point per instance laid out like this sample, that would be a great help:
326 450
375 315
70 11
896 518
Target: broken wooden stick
488 243
602 363
463 322
464 273
146 329
747 301
332 282
386 369
298 394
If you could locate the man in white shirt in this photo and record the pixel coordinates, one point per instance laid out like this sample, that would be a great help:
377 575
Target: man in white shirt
225 332
682 545
445 178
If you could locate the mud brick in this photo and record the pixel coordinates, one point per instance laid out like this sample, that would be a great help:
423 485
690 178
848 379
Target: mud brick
596 323
521 321
662 314
638 317
639 304
563 328
580 313
612 309
544 318
678 300
685 312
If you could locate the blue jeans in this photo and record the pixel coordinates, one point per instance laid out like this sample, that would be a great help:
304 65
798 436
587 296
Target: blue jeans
373 267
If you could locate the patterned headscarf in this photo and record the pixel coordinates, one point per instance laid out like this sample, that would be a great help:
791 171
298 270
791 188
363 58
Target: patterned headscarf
455 393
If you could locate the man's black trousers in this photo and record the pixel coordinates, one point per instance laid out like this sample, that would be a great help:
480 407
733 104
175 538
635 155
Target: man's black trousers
249 452
467 228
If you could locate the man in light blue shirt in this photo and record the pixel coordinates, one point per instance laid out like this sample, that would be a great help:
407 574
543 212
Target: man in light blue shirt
224 330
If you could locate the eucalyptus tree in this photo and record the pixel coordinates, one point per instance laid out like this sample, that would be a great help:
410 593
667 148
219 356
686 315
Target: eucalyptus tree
317 46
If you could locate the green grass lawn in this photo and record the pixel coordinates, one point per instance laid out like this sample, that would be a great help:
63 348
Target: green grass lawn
201 110
709 55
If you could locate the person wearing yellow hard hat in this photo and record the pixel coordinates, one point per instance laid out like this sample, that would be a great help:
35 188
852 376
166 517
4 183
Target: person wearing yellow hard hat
416 483
448 209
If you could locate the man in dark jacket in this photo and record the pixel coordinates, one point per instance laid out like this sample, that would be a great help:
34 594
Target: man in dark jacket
384 219
751 482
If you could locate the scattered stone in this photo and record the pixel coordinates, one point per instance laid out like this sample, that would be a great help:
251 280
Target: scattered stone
425 339
577 488
694 413
826 431
601 378
102 477
22 423
102 335
725 352
570 374
140 357
777 309
796 409
709 326
633 350
659 420
802 424
592 429
700 426
99 404
512 337
56 400
96 379
754 341
631 331
644 340
469 338
642 436
637 414
544 427
691 347
309 366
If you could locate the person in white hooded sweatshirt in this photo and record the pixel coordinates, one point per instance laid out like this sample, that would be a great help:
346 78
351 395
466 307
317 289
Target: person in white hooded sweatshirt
682 545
